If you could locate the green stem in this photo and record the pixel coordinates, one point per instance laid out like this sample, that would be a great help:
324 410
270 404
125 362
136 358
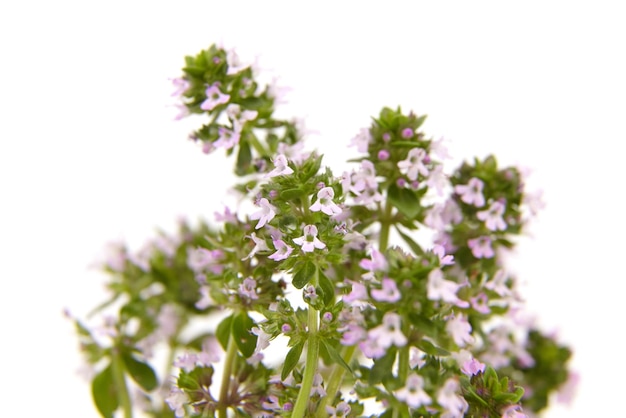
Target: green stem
334 382
310 367
385 226
120 383
403 363
231 352
254 141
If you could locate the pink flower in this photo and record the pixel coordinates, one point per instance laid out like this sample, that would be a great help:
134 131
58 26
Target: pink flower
259 245
481 247
282 250
472 193
414 164
460 330
317 388
205 300
480 303
357 296
342 410
214 98
181 86
413 392
362 140
437 179
388 293
280 167
210 353
176 400
309 240
227 138
325 202
498 284
493 216
472 367
441 289
352 334
444 260
448 398
376 262
388 333
248 289
186 361
200 260
265 215
513 411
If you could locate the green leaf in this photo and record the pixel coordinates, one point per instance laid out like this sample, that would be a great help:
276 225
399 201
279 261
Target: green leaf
104 392
291 360
244 338
430 348
222 333
244 158
382 367
404 144
404 200
291 194
194 71
334 354
420 120
327 288
187 381
304 274
417 250
141 372
310 167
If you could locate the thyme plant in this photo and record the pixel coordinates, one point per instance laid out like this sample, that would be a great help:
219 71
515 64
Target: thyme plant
320 298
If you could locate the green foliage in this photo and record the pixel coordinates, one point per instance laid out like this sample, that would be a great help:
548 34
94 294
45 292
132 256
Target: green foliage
104 392
488 395
141 372
405 295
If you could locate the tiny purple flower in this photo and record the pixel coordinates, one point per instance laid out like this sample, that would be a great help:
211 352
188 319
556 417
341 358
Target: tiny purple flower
265 215
414 164
493 216
472 367
248 289
481 247
388 293
181 86
413 392
472 193
282 250
325 202
280 167
309 240
214 97
460 330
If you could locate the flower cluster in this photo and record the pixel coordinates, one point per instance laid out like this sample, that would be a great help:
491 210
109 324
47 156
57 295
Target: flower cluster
372 321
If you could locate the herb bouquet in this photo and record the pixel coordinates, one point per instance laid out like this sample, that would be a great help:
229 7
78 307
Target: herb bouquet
379 291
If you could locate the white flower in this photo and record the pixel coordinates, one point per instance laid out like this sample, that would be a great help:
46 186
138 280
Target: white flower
265 215
414 164
309 240
325 202
413 392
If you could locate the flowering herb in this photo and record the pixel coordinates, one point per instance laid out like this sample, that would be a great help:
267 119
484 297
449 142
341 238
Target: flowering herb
376 323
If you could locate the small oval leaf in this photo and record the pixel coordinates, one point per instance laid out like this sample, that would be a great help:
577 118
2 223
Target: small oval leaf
141 373
291 360
104 392
303 275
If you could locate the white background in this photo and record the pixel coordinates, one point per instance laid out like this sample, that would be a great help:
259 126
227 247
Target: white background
89 152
